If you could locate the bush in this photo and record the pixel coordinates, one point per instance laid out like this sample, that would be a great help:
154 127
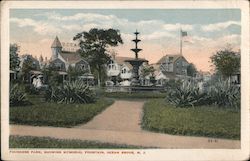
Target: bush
17 95
187 94
224 94
71 92
30 89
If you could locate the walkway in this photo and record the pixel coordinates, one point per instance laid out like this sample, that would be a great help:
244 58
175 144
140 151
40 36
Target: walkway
121 116
120 124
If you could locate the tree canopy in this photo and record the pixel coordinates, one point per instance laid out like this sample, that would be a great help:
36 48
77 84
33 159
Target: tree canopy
226 62
14 59
191 70
95 45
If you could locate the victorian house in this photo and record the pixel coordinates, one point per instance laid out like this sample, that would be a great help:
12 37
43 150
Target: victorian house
118 70
170 67
62 60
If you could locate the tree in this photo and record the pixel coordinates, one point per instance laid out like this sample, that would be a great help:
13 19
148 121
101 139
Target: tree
226 62
94 46
14 59
74 72
191 70
27 66
147 70
51 75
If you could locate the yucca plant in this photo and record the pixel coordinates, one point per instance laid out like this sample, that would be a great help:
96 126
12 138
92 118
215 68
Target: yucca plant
188 94
224 94
17 95
71 92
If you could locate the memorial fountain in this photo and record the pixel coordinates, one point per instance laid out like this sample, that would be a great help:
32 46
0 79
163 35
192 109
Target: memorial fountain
136 62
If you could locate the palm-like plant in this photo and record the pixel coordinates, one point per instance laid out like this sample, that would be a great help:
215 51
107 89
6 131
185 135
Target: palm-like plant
71 92
17 95
188 94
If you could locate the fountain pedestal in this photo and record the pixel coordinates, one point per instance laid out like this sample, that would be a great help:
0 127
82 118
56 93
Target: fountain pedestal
136 63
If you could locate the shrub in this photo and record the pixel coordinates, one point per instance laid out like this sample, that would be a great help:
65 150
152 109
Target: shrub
187 94
71 92
224 94
30 89
17 95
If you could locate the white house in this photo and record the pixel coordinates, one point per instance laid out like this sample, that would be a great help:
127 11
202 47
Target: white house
119 70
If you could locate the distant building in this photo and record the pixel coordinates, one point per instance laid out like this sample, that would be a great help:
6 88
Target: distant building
170 67
118 69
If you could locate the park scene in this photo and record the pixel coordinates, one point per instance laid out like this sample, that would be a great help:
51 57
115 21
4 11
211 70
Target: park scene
126 79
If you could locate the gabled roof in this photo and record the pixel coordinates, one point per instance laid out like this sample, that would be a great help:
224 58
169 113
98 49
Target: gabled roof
121 60
56 43
175 57
71 57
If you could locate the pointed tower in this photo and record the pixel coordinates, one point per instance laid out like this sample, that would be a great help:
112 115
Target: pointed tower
56 48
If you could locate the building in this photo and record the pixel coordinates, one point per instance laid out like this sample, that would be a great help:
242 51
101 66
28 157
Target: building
118 70
62 60
170 67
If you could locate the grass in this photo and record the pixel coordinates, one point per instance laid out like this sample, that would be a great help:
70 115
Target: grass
136 95
43 113
199 121
47 142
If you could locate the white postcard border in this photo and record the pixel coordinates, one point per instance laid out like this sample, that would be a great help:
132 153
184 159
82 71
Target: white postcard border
159 154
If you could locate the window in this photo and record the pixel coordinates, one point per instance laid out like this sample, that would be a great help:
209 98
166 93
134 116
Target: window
171 59
58 66
124 70
82 67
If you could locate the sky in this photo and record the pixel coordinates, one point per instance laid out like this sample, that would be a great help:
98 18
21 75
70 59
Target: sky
209 30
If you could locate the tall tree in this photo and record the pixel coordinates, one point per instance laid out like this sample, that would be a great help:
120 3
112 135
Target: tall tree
14 59
227 62
94 46
191 70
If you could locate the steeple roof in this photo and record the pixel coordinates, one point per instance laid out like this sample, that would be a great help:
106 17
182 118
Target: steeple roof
56 43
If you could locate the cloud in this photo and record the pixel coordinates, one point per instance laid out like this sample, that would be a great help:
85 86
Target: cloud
87 17
39 27
178 26
219 26
158 35
71 27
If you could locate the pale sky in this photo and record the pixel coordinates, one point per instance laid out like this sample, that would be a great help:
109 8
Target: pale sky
208 30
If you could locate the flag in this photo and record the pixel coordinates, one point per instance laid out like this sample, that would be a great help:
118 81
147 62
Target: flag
184 33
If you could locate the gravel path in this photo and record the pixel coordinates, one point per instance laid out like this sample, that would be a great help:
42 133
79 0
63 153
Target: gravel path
121 116
120 124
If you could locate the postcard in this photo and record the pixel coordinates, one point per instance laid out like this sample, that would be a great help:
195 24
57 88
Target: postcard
125 80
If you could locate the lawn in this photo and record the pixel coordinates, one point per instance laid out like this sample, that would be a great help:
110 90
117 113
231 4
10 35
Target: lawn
47 142
198 121
43 113
136 95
